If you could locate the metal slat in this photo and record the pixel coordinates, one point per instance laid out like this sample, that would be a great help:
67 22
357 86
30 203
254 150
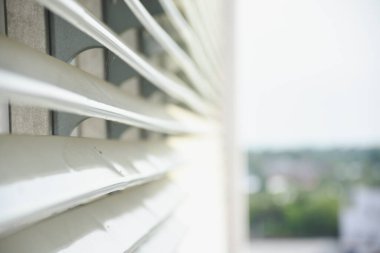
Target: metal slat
166 238
69 194
191 40
44 175
81 18
116 224
164 39
196 21
32 77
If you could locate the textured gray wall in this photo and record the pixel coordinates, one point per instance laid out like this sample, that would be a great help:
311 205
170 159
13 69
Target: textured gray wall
4 113
26 23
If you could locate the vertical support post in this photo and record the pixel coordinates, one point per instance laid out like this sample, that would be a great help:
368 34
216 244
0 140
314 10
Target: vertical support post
236 200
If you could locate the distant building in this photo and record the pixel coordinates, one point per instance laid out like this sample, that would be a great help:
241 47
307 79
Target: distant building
360 222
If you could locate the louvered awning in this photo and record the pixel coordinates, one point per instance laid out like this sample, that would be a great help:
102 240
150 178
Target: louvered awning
64 193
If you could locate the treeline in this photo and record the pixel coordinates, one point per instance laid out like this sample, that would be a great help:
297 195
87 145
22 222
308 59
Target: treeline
318 182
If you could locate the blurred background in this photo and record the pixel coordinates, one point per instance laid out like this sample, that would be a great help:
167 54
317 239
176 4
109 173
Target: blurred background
308 77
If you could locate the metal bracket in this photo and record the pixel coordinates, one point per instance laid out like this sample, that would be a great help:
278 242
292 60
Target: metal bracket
66 42
116 70
120 18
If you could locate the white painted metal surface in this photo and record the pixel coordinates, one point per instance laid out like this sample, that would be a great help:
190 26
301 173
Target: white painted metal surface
73 194
176 52
81 18
192 41
32 77
166 237
118 223
41 176
200 26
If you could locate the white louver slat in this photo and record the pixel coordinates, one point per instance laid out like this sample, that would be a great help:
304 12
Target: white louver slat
203 34
192 41
166 238
198 81
118 223
83 20
113 192
91 168
54 84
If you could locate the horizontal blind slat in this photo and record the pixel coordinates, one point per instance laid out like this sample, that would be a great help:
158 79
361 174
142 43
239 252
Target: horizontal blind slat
179 55
192 41
205 37
166 237
115 224
32 77
41 175
81 18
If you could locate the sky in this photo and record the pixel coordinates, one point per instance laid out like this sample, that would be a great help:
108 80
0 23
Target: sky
308 73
